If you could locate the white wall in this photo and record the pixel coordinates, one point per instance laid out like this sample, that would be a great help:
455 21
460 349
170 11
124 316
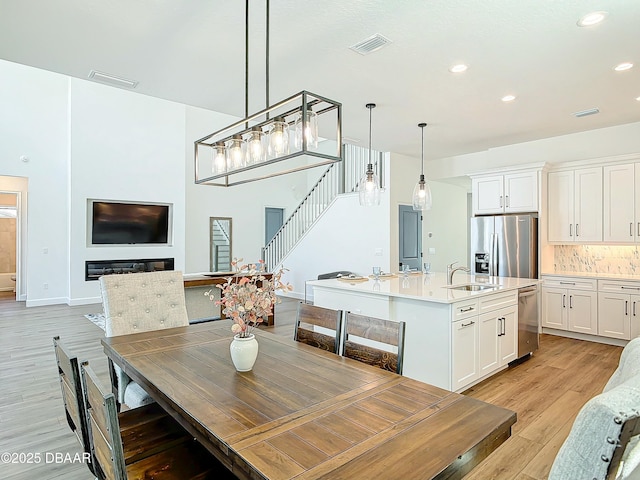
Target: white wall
345 237
34 123
603 142
126 147
245 204
447 220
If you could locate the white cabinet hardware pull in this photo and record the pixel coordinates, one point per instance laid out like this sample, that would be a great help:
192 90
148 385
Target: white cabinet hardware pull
626 307
570 301
631 229
571 229
467 309
507 201
629 288
567 283
467 324
634 308
577 229
500 201
563 301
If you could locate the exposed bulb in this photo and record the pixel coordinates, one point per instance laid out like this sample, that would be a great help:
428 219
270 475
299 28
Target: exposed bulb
256 149
279 138
236 159
219 159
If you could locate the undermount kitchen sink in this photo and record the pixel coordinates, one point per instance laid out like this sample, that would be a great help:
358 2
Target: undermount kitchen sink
472 287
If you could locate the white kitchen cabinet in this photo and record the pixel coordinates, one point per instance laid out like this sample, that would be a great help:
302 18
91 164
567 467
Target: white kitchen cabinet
622 203
498 339
570 304
508 193
618 308
575 205
464 345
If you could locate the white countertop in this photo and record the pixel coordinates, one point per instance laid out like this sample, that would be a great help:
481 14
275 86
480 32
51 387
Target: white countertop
431 287
608 276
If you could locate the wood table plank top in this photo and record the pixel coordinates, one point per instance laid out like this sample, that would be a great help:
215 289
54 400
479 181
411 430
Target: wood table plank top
305 413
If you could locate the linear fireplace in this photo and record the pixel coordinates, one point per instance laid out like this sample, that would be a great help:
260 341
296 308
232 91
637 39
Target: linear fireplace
94 269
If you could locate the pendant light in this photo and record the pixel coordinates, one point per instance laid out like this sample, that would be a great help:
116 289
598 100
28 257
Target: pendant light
369 186
262 145
422 191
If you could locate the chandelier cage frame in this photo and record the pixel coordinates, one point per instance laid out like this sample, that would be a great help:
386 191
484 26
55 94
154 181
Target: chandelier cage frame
329 112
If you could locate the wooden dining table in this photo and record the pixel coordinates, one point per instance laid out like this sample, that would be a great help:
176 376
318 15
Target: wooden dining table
303 413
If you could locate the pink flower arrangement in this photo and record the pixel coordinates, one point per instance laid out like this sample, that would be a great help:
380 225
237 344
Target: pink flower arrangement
248 297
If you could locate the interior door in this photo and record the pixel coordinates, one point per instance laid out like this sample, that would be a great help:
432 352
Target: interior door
273 218
410 242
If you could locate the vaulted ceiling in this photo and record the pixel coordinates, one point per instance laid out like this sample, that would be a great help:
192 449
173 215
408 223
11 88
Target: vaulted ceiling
192 51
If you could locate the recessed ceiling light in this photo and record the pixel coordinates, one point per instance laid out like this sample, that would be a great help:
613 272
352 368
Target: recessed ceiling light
638 99
623 66
592 18
508 98
459 68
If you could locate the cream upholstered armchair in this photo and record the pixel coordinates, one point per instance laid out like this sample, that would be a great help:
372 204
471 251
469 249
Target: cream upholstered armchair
604 441
140 302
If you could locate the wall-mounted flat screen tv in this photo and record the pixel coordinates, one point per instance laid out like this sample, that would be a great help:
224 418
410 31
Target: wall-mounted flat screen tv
116 223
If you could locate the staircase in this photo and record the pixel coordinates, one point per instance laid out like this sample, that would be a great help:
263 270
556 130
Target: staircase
340 177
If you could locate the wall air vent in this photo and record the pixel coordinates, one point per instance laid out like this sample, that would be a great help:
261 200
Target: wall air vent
371 44
112 80
584 113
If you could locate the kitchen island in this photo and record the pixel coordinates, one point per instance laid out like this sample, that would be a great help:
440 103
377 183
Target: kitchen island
454 337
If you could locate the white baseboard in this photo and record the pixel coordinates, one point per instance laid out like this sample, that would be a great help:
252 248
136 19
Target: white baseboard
85 301
584 336
47 301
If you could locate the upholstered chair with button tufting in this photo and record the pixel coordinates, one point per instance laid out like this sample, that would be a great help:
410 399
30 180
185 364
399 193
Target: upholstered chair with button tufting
140 302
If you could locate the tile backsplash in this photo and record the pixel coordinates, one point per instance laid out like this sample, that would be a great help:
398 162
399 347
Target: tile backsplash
616 259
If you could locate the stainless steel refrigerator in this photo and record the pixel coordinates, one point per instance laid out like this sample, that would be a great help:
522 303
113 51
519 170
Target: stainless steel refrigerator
505 246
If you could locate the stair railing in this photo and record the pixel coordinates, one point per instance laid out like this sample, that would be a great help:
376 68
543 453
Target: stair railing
338 178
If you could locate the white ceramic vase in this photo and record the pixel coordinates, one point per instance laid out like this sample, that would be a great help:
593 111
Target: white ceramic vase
244 351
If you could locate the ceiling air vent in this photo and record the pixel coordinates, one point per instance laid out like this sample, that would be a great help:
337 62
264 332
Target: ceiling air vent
112 80
371 44
584 113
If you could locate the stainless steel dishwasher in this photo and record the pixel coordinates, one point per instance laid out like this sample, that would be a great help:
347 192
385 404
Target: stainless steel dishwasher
527 320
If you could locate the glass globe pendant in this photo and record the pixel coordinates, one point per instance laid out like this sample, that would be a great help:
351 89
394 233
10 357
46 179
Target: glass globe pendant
422 191
310 129
369 184
278 138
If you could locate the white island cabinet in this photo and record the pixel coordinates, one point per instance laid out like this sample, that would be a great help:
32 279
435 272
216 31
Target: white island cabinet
453 338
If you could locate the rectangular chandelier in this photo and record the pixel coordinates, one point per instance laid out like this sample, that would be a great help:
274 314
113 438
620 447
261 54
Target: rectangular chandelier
304 131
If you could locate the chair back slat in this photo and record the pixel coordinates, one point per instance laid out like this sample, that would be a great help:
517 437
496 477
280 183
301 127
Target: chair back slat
71 388
371 356
385 332
375 329
312 316
106 443
102 450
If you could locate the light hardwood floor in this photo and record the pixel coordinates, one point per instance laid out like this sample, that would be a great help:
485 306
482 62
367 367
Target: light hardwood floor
546 391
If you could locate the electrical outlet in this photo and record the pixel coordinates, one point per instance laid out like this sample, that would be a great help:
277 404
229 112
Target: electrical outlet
377 252
432 251
46 286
